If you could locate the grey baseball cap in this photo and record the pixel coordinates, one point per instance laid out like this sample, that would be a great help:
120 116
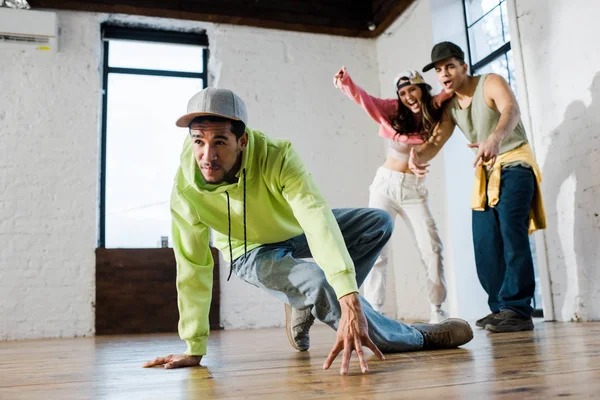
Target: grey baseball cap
213 101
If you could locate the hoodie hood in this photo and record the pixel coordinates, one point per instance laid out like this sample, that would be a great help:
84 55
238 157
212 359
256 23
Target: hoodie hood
193 176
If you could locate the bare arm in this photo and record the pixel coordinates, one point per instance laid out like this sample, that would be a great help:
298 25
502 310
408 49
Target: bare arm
439 99
499 96
420 155
327 246
497 91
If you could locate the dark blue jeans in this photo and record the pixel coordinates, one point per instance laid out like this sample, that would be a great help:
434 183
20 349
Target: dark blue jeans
501 241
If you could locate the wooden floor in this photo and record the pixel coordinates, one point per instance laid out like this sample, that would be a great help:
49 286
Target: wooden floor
556 360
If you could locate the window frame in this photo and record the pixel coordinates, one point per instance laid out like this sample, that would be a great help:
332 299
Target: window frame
109 32
491 57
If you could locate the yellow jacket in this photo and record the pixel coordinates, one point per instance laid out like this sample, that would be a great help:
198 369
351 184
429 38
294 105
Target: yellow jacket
537 215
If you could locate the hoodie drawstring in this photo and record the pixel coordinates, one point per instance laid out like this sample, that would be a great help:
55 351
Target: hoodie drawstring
229 226
245 244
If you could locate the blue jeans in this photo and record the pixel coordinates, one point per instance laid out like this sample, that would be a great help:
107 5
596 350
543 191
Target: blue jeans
279 269
501 241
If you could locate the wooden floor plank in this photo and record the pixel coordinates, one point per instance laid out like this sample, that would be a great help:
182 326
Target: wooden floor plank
555 360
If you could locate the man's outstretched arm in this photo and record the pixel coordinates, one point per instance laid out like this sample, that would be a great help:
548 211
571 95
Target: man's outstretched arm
194 285
498 95
330 253
420 156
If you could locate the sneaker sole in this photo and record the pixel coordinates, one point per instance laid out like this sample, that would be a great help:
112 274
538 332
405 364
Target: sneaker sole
481 325
500 329
288 325
484 323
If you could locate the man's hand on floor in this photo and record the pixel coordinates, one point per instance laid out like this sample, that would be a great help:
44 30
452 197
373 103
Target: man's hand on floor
352 335
174 361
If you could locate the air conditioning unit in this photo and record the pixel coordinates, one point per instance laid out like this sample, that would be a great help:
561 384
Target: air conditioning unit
28 30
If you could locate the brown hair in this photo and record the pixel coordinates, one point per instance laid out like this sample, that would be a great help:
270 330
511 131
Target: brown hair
405 124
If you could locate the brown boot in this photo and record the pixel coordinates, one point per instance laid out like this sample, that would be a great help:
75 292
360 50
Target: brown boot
447 334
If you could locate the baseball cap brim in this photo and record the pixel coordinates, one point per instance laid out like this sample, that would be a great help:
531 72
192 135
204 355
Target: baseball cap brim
431 65
185 120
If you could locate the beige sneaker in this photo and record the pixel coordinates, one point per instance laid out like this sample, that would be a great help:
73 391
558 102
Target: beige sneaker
297 326
437 314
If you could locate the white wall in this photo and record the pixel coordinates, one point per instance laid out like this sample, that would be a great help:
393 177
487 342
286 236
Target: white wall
48 172
49 119
406 44
469 298
562 73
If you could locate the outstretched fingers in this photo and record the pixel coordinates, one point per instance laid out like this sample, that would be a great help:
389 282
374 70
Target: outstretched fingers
337 347
157 361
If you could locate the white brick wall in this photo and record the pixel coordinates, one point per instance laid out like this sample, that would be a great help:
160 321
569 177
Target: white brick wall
562 71
49 122
49 134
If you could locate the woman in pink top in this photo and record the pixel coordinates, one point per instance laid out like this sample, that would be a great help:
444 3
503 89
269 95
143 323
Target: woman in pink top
406 121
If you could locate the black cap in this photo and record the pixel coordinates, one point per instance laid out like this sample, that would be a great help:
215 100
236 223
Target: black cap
444 50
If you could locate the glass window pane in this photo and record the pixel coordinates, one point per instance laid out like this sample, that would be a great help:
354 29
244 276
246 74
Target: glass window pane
148 55
511 72
142 155
486 36
498 66
505 27
476 8
503 66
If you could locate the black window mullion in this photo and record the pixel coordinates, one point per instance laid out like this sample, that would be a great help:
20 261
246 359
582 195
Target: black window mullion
502 23
102 202
468 38
155 72
508 69
483 16
153 35
505 48
205 67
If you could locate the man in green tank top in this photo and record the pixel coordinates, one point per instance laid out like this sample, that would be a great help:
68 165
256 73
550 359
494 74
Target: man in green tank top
485 109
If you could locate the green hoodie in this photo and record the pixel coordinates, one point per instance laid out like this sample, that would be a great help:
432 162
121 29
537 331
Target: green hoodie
282 201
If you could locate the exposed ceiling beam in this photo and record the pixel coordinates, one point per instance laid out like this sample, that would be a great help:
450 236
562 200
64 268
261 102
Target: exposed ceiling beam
333 17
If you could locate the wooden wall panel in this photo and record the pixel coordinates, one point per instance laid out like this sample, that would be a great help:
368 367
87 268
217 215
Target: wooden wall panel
136 293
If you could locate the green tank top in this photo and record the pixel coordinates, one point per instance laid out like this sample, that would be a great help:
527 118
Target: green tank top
478 121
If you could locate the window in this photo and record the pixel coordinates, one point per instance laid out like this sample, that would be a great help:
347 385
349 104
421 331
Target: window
488 38
148 78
